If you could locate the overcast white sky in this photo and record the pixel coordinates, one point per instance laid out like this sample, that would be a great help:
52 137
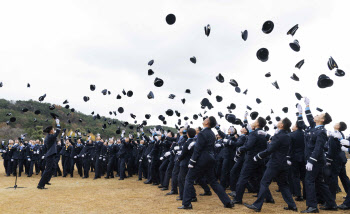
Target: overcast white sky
62 47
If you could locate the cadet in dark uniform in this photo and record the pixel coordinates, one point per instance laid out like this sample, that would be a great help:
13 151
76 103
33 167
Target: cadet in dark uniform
86 154
315 139
202 163
112 151
50 144
256 143
98 157
276 167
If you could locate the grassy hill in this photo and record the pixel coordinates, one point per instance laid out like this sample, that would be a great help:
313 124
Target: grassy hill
25 121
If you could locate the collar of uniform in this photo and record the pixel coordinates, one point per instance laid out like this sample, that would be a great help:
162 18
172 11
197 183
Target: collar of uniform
319 126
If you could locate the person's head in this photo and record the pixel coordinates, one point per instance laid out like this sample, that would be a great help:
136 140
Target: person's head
284 124
323 119
127 140
259 123
170 134
79 141
110 142
98 138
209 122
37 142
119 142
181 131
341 126
191 133
244 131
198 129
232 131
142 142
11 142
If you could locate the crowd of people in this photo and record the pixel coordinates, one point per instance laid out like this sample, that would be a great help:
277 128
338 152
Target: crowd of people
305 160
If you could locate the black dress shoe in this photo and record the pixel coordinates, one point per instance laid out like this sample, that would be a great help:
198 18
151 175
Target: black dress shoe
48 183
295 209
329 208
155 184
29 176
147 182
310 210
229 205
160 186
121 179
183 207
206 194
39 187
232 194
171 193
165 188
96 178
270 201
85 177
55 176
299 198
140 179
255 195
252 207
236 202
178 198
194 199
343 207
106 177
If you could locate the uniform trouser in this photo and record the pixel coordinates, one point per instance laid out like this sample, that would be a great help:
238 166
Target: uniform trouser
314 180
174 176
154 171
344 178
27 165
162 170
14 166
30 167
122 168
20 166
168 173
234 173
281 176
249 169
86 165
42 165
182 177
47 174
66 165
298 174
142 168
57 169
9 167
332 179
6 165
218 166
225 172
205 166
130 164
110 167
98 167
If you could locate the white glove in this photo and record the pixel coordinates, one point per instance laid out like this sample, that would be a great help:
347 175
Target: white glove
218 145
104 159
138 134
289 163
12 160
254 158
100 158
149 160
344 149
58 122
75 156
62 134
148 156
161 158
178 152
300 109
328 164
309 166
307 102
235 159
261 132
141 129
177 148
92 158
29 159
123 131
186 125
42 157
156 138
89 138
245 114
191 144
165 133
225 140
82 156
34 152
190 166
140 160
337 135
344 142
167 154
79 133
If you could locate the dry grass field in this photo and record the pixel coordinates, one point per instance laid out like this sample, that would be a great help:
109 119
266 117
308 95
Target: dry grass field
76 195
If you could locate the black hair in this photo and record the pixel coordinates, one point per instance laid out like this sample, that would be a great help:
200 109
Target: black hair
191 132
286 124
171 133
327 119
212 122
342 126
262 122
199 128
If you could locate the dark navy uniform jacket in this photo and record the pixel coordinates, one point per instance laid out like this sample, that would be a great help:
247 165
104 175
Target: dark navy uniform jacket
278 149
297 146
50 143
334 153
229 149
255 144
186 153
204 147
